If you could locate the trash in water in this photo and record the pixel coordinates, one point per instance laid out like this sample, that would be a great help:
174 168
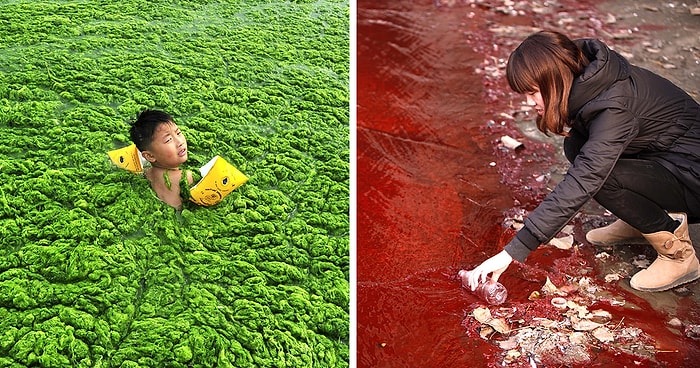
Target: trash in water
490 291
559 302
563 243
483 315
511 143
556 327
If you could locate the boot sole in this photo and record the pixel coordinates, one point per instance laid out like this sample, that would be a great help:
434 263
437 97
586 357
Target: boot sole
683 280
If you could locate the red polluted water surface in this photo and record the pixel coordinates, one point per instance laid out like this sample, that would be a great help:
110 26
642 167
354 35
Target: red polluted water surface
432 191
426 192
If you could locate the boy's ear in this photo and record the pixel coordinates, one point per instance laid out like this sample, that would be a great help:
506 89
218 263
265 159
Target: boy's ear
148 156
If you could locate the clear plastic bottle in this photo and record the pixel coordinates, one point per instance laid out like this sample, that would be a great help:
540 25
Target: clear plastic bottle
490 291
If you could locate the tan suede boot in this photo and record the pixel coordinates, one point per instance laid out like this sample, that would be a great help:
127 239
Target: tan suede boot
619 232
676 263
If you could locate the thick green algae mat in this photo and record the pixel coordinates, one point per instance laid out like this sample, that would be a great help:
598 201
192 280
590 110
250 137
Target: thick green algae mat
94 270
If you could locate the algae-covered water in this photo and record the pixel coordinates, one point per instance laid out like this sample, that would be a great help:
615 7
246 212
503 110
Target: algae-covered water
95 271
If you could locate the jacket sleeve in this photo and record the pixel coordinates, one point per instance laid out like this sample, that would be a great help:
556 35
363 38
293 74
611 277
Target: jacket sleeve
610 130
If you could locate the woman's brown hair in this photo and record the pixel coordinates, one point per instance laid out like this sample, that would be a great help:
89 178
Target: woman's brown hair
547 61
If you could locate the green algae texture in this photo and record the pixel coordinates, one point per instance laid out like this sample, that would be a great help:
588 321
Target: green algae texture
94 270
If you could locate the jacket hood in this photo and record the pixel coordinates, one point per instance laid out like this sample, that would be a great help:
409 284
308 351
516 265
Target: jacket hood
606 67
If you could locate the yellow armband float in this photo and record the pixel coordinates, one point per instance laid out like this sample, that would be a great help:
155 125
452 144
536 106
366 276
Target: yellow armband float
219 178
127 158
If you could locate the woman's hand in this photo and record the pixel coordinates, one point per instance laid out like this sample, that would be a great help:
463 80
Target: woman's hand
496 265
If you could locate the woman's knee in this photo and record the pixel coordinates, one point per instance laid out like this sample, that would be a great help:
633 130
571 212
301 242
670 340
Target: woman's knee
609 192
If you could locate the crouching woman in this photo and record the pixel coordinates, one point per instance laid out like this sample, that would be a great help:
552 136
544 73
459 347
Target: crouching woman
633 140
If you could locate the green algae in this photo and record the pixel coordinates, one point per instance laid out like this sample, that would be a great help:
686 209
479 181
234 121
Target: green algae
94 270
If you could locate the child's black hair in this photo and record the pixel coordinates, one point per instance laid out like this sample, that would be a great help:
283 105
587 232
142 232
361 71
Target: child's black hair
145 125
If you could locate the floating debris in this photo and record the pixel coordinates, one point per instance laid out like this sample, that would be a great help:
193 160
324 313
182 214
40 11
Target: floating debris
682 291
641 261
483 315
675 322
563 243
511 356
610 19
617 303
559 302
600 316
554 330
506 116
515 222
668 66
611 277
511 143
603 334
693 331
549 287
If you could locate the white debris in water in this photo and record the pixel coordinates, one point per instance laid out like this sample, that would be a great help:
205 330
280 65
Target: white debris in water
570 338
641 261
563 243
612 277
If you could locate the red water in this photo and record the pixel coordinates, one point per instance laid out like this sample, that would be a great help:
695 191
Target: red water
429 202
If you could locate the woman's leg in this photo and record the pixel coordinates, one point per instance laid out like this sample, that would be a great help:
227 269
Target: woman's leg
641 192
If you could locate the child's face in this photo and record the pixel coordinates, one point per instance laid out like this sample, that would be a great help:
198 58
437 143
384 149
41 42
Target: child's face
168 148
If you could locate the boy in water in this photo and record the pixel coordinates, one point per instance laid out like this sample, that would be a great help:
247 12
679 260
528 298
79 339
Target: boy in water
161 143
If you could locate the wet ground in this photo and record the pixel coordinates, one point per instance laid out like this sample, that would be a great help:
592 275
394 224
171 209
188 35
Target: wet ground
437 191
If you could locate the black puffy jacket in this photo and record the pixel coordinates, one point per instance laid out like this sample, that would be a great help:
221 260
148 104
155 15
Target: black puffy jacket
620 110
